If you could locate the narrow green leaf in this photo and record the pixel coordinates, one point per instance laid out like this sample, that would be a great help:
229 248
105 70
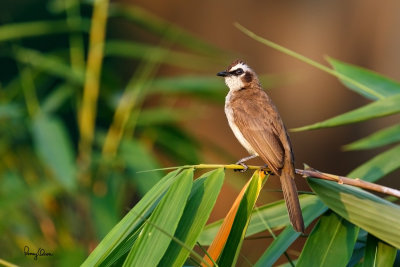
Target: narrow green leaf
120 252
379 166
154 24
375 215
138 50
273 216
151 244
288 236
306 60
234 242
386 255
381 85
57 97
379 108
38 28
131 221
332 236
378 253
49 64
383 137
55 149
277 247
201 202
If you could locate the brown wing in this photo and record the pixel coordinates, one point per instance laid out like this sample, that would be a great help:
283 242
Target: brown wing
261 126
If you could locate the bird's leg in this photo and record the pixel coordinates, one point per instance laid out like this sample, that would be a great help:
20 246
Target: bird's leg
242 161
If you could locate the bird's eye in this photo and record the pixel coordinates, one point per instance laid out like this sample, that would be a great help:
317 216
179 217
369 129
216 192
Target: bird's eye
238 71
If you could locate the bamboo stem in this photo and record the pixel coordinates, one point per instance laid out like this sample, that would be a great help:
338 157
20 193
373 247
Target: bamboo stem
316 174
91 88
309 172
349 181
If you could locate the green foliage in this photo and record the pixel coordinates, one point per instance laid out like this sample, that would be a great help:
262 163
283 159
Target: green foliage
332 236
52 194
378 253
270 216
381 86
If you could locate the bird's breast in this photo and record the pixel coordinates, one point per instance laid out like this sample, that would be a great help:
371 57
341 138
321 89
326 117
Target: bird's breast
236 131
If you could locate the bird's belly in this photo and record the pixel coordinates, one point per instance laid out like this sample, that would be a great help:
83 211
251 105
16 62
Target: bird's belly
238 134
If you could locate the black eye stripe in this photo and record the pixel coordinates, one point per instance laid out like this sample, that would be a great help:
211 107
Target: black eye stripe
237 72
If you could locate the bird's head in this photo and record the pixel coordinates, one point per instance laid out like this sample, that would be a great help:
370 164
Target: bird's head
238 76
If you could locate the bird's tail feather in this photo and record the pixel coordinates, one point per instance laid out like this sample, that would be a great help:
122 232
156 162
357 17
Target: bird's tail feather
292 200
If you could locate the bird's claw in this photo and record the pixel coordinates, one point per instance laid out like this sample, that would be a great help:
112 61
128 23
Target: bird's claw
245 167
267 170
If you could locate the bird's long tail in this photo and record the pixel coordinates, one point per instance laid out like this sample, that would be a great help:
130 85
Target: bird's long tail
292 199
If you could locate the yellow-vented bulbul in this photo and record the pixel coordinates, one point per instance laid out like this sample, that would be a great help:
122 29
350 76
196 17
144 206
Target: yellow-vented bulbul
256 123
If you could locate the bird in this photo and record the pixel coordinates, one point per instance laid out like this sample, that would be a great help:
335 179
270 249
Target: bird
256 123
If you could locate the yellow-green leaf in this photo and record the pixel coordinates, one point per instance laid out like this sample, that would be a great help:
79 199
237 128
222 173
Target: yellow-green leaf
375 215
379 108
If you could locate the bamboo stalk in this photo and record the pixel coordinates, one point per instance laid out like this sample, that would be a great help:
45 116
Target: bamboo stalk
308 172
88 109
349 181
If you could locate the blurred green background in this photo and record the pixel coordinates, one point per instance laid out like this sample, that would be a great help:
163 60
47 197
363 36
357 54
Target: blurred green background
159 103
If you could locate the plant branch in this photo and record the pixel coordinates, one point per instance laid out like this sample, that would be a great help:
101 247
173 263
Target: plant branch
307 172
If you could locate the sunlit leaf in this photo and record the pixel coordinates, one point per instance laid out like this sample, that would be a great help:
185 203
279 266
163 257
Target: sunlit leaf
379 108
375 215
379 166
383 137
381 85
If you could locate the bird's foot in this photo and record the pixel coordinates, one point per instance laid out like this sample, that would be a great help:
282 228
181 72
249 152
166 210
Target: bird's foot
245 167
267 170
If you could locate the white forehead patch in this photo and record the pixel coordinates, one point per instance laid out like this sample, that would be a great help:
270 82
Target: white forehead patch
243 66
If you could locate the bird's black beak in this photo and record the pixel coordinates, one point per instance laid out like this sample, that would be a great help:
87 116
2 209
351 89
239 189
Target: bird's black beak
223 73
